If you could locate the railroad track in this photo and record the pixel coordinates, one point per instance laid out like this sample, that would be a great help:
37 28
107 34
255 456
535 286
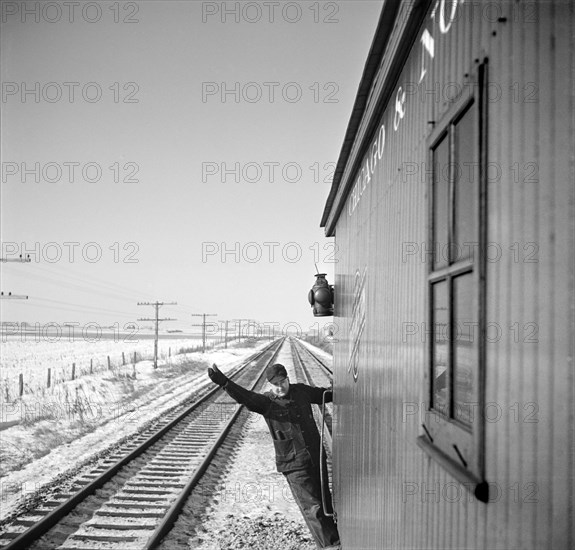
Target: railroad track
316 361
143 486
313 369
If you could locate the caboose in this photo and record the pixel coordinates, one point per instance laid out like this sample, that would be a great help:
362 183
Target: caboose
452 208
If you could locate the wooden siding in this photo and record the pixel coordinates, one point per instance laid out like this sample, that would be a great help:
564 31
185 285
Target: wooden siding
389 494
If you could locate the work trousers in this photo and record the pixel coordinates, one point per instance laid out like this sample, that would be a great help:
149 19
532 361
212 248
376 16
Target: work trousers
305 486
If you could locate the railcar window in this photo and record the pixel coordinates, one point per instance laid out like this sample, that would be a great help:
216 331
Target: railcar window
453 294
465 347
440 347
466 183
454 430
440 201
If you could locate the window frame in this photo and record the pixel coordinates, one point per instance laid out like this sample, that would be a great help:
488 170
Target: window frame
458 447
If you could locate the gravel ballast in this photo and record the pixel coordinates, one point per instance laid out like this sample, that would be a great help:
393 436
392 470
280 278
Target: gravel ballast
252 506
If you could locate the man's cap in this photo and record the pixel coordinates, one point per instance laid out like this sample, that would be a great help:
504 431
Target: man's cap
275 373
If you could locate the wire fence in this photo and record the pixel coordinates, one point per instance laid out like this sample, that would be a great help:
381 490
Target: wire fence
42 372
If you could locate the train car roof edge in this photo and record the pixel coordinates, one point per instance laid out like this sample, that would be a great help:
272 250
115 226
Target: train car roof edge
393 41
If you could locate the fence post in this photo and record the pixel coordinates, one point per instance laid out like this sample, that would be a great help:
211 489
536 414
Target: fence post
134 358
21 384
73 371
91 366
49 381
123 359
109 367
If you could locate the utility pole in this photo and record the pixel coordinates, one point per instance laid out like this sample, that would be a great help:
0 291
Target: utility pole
272 330
239 321
157 321
203 325
11 296
225 331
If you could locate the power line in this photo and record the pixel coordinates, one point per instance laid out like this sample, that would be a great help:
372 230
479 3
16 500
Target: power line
77 308
84 283
83 307
10 296
111 286
80 288
203 325
157 320
239 321
226 332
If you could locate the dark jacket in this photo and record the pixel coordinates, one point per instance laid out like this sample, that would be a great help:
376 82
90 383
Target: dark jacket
290 421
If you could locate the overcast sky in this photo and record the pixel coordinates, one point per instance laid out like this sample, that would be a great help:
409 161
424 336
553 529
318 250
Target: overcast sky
172 151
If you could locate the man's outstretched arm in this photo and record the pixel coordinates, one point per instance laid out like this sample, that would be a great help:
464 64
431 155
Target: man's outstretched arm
316 394
255 402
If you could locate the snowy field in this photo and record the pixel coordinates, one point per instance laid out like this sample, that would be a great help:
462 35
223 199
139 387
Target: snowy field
43 435
32 357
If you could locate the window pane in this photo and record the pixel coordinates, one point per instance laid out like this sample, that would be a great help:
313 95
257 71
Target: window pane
465 346
440 346
466 177
440 203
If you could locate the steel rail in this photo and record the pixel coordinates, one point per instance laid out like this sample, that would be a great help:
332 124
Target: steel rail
324 434
172 514
320 361
321 453
34 532
295 345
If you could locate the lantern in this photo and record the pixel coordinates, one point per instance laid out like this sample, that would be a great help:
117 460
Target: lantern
321 297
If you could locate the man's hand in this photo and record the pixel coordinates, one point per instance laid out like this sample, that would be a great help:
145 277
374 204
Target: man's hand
216 376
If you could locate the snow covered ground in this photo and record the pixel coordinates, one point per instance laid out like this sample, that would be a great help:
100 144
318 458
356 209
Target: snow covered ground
31 357
252 506
45 436
324 355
